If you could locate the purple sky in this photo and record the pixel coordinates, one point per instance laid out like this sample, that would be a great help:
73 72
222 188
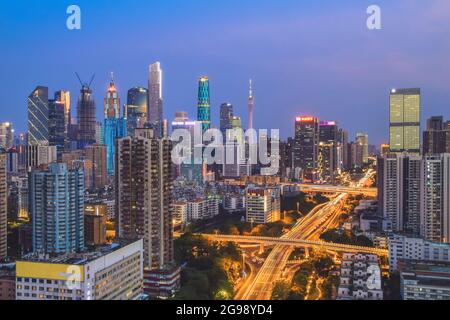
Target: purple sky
305 57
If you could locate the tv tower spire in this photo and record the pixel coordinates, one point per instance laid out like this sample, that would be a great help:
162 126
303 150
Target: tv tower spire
251 103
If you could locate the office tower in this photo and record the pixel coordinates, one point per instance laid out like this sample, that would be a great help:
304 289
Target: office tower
204 103
63 97
95 217
113 129
155 98
404 123
38 115
57 208
96 154
436 137
306 148
3 206
57 125
363 140
262 204
86 117
286 160
435 211
343 141
6 135
143 208
329 136
226 114
111 272
111 101
136 108
355 154
251 105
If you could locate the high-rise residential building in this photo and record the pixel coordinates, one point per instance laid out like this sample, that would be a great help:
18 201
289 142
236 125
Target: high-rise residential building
37 155
136 108
262 204
57 207
250 105
306 148
38 115
399 191
435 210
204 103
355 154
404 120
363 140
63 97
3 206
110 272
226 115
155 98
112 101
86 117
6 135
96 153
143 208
436 137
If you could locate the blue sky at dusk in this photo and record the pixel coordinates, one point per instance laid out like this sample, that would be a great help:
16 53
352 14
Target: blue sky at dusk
310 57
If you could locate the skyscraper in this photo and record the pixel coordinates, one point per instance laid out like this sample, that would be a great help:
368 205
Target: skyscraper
251 105
226 116
6 135
155 98
64 97
86 117
404 115
136 108
57 207
3 206
435 210
306 148
96 154
57 124
363 140
329 139
112 101
436 137
143 208
204 103
38 115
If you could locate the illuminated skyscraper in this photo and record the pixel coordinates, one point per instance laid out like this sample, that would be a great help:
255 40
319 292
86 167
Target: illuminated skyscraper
6 135
404 113
204 103
114 127
226 115
251 105
38 115
306 148
136 108
63 97
3 205
86 117
112 101
363 140
155 99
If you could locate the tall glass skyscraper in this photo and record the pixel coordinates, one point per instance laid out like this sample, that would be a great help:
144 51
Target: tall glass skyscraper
38 114
114 127
136 108
86 117
404 120
226 115
155 99
204 103
57 207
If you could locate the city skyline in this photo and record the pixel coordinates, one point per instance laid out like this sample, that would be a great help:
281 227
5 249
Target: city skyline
380 65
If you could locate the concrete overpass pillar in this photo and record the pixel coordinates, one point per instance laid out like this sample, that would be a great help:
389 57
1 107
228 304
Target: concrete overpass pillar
306 252
261 248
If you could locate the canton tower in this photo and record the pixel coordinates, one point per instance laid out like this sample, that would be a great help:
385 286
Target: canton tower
251 104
